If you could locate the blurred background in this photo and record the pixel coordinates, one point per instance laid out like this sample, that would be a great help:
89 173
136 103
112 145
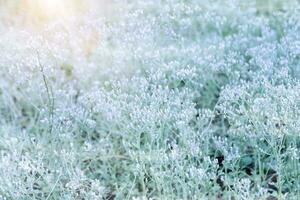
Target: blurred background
37 12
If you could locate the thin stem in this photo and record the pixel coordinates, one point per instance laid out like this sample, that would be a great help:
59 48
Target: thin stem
49 93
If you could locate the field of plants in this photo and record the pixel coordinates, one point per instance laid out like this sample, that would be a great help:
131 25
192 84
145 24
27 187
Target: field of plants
149 99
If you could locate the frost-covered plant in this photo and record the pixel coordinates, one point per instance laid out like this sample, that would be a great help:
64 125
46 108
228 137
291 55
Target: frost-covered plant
161 99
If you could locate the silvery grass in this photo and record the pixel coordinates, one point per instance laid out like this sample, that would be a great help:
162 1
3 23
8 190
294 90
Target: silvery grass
166 100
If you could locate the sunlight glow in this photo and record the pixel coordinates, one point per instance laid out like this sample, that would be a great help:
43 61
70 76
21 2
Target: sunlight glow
48 10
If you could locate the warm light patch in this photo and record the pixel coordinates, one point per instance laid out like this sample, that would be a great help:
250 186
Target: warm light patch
40 11
48 10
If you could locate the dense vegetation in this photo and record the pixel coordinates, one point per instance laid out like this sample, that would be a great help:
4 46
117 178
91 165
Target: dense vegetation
160 99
